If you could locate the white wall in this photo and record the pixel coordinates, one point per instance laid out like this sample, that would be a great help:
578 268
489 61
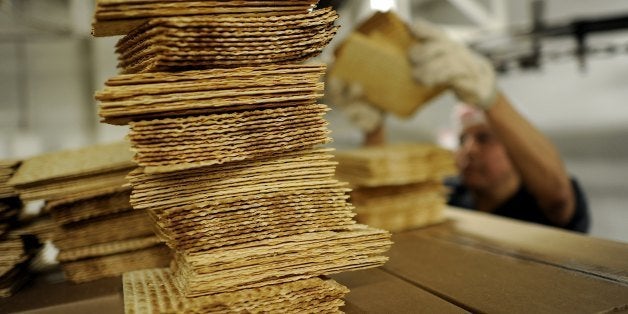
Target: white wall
59 108
559 97
105 67
53 103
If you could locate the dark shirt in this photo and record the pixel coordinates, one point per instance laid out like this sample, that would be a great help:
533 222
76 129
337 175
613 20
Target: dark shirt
523 206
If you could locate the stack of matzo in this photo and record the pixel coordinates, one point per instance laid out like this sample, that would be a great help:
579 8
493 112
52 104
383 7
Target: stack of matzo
41 227
161 95
54 175
313 295
14 262
99 235
14 259
230 169
10 203
397 187
176 43
7 169
119 17
93 225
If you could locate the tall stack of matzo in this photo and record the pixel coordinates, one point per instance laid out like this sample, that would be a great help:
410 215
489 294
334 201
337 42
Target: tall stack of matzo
229 165
397 186
99 235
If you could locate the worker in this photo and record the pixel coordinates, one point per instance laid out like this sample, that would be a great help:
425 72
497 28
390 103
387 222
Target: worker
507 167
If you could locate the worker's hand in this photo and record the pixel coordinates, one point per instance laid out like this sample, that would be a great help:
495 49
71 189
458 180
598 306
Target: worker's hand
351 101
438 60
363 115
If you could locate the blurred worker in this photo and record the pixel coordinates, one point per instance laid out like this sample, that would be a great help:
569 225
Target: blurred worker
507 167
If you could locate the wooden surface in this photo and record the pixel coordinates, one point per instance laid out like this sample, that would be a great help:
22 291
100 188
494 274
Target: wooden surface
473 262
482 263
51 294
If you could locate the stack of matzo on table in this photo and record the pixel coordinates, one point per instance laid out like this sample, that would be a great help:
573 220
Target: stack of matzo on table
14 263
397 186
7 169
93 225
10 203
54 175
14 260
226 129
99 235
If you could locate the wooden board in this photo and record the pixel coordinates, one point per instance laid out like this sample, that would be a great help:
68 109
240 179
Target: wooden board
376 291
481 277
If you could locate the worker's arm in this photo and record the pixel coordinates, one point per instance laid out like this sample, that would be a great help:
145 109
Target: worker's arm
440 61
539 164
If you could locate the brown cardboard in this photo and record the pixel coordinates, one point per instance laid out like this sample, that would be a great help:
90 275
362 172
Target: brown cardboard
376 291
535 242
74 163
493 280
387 27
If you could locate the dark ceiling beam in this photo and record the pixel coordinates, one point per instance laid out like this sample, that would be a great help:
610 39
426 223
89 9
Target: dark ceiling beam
580 28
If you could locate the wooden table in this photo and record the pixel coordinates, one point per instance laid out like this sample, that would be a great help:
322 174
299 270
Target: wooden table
482 263
473 262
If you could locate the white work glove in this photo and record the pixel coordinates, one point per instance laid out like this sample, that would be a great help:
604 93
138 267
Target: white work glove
364 115
438 60
351 101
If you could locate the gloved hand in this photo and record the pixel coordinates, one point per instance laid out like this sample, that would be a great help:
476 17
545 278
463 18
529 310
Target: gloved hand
351 101
364 115
438 60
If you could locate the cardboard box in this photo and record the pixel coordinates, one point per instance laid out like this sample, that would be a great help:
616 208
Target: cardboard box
488 264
